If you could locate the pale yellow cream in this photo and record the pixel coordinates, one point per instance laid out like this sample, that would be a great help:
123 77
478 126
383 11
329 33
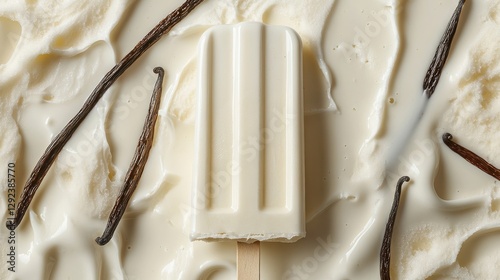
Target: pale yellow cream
364 63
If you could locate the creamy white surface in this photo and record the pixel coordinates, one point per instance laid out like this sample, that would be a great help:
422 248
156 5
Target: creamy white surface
364 63
248 181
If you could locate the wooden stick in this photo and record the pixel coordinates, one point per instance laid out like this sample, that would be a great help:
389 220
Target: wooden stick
248 261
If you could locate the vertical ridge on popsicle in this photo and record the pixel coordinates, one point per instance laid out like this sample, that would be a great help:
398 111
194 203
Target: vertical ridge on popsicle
205 119
253 181
274 192
296 111
222 112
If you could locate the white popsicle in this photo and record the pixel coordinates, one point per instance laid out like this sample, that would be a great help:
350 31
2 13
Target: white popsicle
249 166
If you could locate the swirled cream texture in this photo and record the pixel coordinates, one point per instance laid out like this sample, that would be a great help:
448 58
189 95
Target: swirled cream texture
364 63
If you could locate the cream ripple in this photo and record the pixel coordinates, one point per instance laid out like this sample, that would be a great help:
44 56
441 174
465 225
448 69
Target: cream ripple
364 65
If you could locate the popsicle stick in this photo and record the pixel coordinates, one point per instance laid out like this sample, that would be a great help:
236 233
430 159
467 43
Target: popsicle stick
248 261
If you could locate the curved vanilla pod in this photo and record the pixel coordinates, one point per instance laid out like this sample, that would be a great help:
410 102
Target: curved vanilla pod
471 157
385 250
136 168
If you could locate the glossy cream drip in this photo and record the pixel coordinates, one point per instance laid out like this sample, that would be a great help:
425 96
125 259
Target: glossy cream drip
364 63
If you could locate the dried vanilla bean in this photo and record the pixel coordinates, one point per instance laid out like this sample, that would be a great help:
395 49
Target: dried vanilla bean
429 85
136 168
55 147
434 72
471 157
385 250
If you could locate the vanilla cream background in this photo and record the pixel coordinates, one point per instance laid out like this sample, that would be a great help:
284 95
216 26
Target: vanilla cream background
364 63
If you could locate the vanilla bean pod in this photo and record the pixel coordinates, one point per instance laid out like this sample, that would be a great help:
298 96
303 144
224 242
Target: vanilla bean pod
471 157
